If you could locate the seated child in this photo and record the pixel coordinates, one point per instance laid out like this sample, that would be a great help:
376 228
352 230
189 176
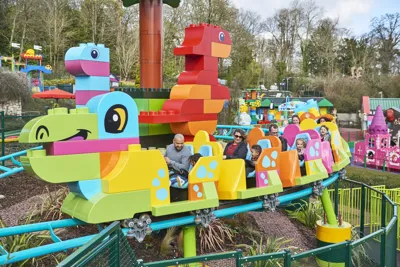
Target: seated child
181 180
301 147
255 154
324 133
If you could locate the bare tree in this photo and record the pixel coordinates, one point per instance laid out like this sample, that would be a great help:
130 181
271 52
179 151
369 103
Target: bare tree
386 31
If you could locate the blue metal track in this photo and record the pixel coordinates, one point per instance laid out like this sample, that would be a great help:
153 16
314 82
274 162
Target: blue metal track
80 241
9 171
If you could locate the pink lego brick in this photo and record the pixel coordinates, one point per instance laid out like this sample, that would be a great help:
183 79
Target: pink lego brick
82 97
89 146
262 179
327 157
88 68
313 150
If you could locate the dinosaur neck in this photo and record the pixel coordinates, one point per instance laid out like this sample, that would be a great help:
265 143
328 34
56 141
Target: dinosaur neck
87 87
204 65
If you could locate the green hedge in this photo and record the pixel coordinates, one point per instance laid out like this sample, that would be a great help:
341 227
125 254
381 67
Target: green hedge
59 81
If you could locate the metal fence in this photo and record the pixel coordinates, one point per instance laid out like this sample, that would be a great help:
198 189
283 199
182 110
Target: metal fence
373 243
109 248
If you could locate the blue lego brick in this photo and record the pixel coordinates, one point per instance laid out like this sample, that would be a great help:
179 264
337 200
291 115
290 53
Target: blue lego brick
95 83
116 103
89 51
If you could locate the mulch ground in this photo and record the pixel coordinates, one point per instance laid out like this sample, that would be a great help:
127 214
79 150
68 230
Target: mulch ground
22 191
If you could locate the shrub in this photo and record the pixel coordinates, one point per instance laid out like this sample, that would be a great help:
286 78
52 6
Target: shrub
55 82
214 236
266 246
13 86
52 202
371 177
308 213
25 241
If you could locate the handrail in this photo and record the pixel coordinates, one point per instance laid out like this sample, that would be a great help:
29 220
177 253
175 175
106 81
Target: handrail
9 171
19 153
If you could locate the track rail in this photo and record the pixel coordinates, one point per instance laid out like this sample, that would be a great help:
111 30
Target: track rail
60 245
7 171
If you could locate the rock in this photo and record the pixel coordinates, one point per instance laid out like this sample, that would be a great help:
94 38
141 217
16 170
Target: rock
2 196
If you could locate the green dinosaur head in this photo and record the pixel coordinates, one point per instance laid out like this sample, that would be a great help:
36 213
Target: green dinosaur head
59 125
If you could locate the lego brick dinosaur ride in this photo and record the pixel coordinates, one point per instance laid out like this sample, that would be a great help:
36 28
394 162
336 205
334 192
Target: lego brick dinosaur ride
198 97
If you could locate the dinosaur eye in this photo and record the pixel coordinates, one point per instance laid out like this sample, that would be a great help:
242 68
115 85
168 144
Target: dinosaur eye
116 119
94 53
221 36
42 133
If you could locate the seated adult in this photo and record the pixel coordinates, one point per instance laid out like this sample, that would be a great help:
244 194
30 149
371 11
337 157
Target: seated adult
238 148
295 119
273 131
177 156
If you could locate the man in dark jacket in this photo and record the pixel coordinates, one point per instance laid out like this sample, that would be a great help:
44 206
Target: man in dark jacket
273 131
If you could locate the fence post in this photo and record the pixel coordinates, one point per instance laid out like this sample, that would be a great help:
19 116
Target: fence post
336 197
288 258
2 137
383 213
383 250
239 255
348 254
117 247
362 215
365 160
383 236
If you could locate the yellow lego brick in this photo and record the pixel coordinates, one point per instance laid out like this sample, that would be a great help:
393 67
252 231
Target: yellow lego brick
140 170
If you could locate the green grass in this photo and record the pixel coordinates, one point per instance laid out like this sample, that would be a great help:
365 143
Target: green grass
372 177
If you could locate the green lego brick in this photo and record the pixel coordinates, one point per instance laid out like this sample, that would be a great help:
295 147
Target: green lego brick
155 129
142 104
156 104
143 129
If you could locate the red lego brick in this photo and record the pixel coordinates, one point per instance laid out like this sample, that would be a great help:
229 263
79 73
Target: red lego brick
162 116
220 36
197 41
220 92
198 63
184 106
198 77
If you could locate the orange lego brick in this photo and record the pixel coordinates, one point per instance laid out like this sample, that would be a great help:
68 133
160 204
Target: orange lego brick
190 91
192 127
290 168
269 160
108 161
196 191
213 106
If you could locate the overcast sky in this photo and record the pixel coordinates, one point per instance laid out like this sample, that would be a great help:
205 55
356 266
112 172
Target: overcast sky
353 14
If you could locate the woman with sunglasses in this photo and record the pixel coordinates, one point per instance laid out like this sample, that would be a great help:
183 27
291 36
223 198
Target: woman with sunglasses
238 148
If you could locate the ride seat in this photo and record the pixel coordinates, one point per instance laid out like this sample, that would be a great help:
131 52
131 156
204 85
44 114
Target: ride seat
190 148
206 151
264 143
